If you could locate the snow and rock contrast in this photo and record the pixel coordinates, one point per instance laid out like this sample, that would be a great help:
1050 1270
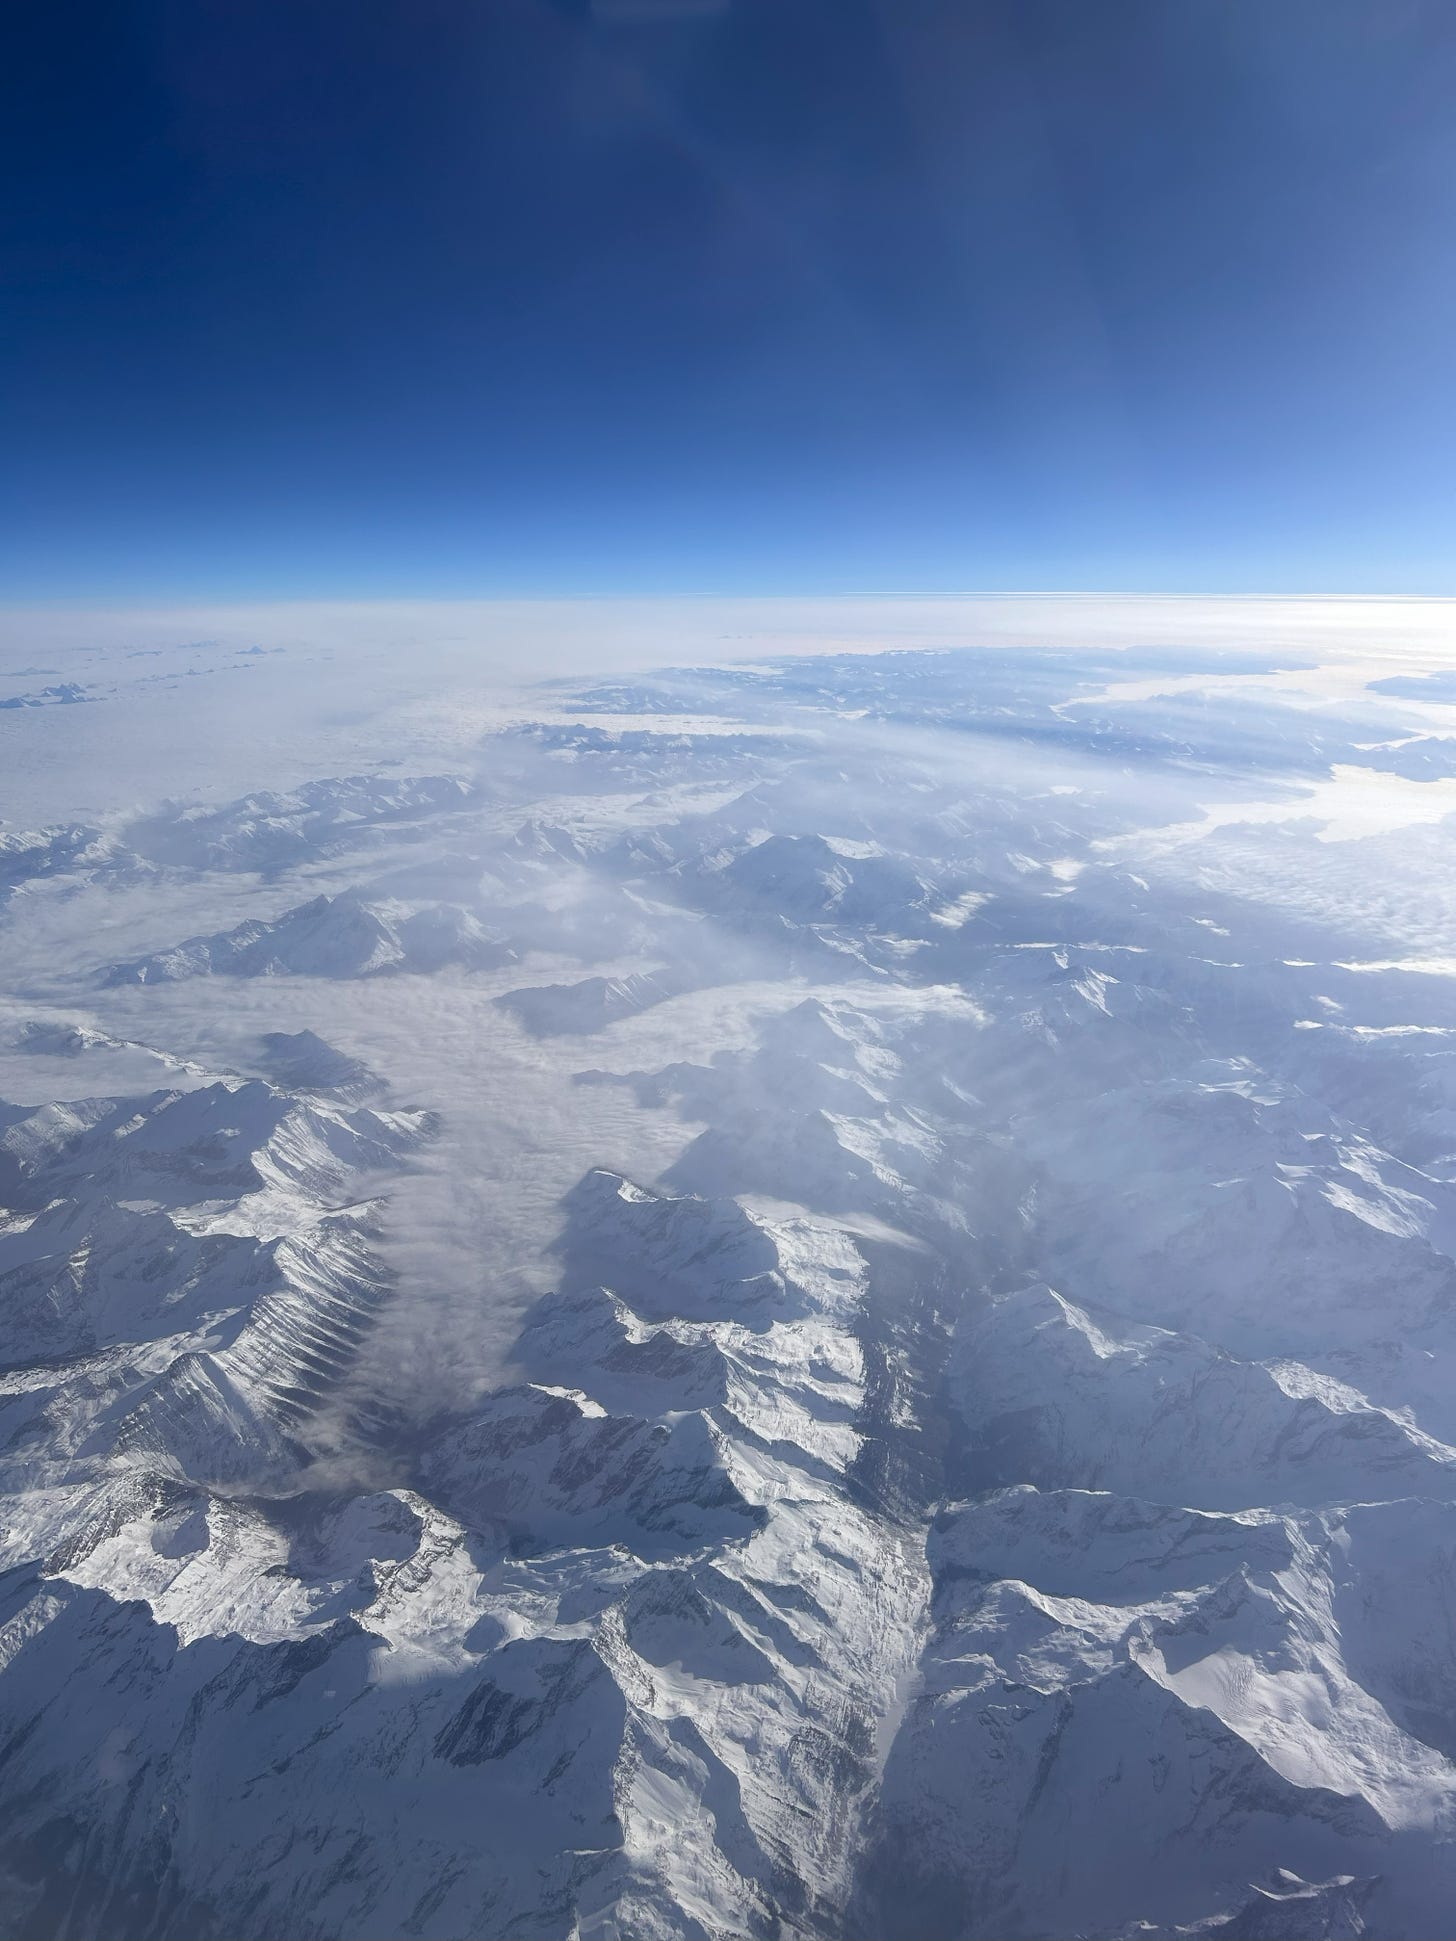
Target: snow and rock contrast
813 1300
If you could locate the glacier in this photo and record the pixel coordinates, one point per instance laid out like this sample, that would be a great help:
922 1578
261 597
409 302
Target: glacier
794 1299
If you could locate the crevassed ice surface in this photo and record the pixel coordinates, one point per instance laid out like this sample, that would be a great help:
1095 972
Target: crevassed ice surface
801 1301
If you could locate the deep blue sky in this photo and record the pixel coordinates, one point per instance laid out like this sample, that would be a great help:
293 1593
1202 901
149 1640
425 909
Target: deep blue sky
464 296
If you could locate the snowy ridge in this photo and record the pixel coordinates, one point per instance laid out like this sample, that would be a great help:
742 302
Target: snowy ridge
178 1291
1219 1643
340 936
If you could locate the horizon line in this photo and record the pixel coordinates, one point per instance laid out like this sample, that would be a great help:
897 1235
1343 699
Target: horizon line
164 603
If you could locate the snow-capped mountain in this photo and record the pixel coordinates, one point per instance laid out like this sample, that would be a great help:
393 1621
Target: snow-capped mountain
819 1300
339 936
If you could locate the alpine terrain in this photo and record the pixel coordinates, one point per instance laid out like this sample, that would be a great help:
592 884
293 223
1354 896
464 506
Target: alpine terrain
808 1300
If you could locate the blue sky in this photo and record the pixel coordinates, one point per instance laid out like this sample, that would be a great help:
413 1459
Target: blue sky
478 297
